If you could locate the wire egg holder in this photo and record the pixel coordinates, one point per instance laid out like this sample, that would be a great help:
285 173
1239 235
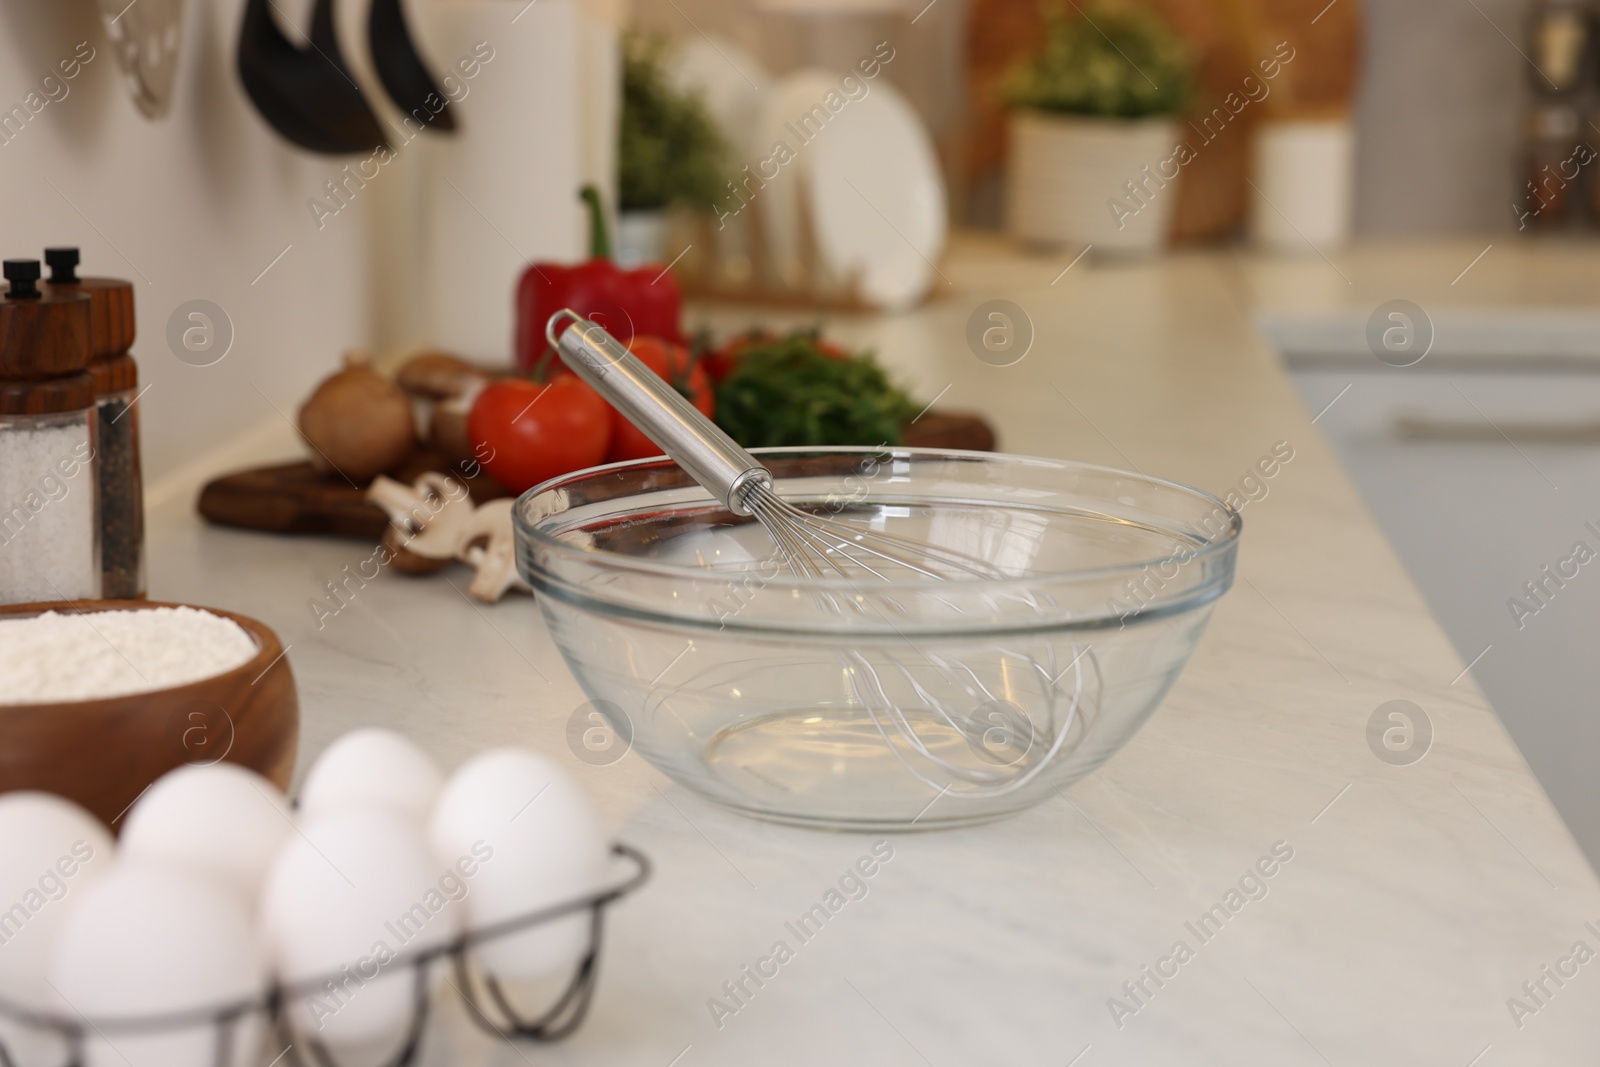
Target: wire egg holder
490 1008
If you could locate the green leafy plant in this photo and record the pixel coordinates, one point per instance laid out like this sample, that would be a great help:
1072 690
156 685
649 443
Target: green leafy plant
1108 59
670 151
788 391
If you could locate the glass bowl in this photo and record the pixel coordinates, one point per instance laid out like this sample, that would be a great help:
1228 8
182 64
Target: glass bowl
869 704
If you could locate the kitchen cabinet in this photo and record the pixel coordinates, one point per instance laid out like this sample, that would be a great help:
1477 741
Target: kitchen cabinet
1481 463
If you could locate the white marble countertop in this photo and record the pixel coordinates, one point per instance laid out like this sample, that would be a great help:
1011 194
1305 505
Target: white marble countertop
1418 898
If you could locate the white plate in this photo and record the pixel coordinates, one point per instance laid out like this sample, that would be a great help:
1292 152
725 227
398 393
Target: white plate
788 102
730 80
877 199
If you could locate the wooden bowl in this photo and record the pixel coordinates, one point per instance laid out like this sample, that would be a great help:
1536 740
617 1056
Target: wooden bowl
103 753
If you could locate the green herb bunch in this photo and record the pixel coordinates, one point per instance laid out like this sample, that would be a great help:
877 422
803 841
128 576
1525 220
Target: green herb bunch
788 392
670 151
1107 59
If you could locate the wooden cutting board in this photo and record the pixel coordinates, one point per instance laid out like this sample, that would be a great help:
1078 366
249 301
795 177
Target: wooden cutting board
296 498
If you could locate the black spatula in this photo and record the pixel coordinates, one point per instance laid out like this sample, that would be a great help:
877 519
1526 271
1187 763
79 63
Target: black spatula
401 70
308 95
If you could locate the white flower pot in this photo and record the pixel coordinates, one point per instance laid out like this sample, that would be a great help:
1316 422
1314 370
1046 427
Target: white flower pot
1080 180
641 238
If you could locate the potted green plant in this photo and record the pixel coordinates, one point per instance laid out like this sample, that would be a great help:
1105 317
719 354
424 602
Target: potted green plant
1093 127
669 154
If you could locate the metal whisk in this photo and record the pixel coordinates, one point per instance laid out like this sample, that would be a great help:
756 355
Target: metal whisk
820 547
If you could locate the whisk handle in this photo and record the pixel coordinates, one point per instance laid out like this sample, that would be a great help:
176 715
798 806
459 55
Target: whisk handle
663 414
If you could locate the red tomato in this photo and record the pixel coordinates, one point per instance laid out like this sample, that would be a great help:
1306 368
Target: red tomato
525 432
672 363
719 362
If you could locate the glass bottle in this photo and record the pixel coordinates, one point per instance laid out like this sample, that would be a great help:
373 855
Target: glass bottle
1560 46
49 528
1557 162
119 478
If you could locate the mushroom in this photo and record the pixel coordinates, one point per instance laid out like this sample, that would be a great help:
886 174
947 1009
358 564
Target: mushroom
425 520
439 376
487 542
447 430
434 521
442 388
406 561
357 422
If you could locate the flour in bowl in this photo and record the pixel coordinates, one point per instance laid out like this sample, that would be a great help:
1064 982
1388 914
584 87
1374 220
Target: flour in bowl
84 656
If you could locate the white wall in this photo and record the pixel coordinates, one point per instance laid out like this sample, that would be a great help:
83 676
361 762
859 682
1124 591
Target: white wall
198 204
193 206
536 123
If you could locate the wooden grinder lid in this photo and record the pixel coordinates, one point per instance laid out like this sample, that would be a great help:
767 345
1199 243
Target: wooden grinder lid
111 325
42 334
116 375
47 396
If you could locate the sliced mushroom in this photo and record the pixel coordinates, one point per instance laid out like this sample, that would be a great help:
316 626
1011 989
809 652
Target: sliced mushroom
489 544
406 561
427 518
434 521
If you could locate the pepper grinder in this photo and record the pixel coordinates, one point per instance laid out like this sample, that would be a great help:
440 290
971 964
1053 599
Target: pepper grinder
1561 40
49 529
1554 160
1555 150
120 481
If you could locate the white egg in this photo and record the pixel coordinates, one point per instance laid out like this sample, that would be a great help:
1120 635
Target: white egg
347 895
372 767
153 939
530 838
51 851
221 820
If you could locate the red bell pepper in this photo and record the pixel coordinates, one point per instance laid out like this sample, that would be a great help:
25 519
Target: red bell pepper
644 302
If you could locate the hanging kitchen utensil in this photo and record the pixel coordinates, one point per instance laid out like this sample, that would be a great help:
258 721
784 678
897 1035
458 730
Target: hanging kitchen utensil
401 70
145 36
308 95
